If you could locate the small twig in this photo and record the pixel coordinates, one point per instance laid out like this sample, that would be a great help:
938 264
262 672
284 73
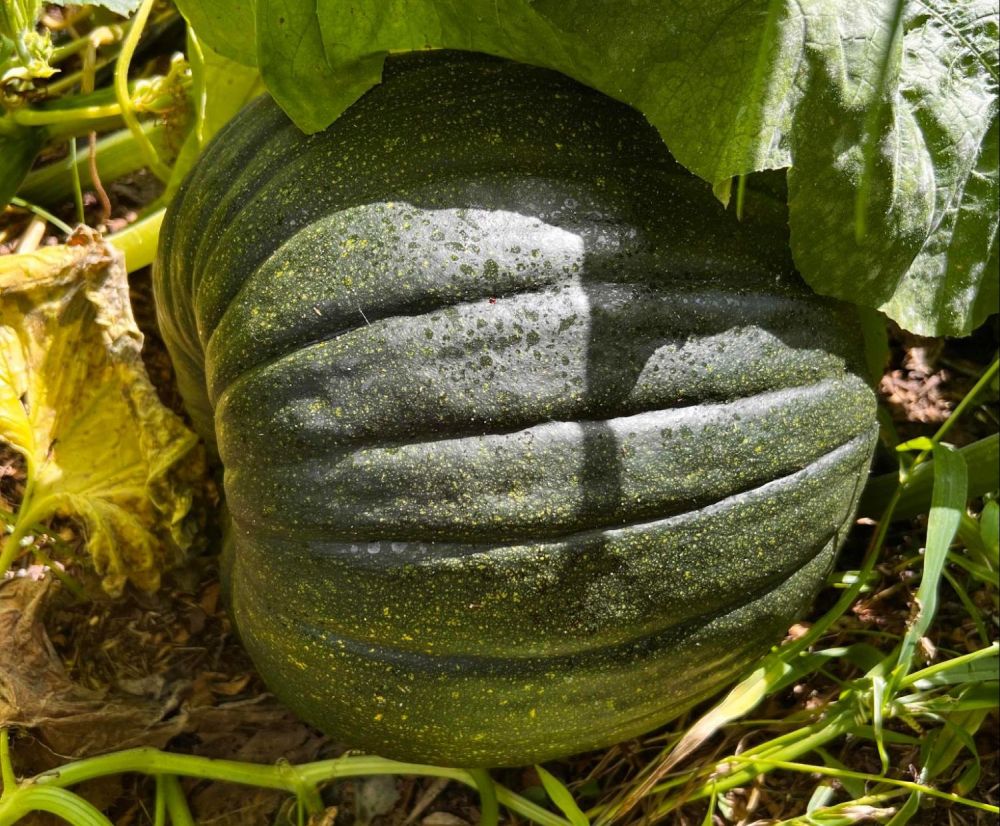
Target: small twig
87 86
95 178
33 235
429 796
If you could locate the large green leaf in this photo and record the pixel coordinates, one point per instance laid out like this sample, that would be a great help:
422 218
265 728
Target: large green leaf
226 25
924 141
122 7
885 110
19 146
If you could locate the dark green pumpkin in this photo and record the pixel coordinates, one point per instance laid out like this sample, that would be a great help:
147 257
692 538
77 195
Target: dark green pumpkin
528 445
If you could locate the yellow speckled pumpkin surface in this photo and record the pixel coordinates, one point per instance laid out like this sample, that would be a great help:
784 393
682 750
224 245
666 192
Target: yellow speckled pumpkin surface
528 445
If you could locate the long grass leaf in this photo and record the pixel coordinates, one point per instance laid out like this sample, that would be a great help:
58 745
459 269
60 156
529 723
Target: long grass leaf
906 811
854 787
562 797
947 506
989 529
944 745
975 667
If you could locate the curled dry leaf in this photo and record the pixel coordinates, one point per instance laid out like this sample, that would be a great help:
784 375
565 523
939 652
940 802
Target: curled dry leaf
76 402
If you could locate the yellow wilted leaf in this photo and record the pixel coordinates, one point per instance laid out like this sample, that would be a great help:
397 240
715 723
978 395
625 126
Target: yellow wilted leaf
76 402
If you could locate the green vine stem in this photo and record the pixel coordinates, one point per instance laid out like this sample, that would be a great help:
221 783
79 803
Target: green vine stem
11 547
105 36
160 802
78 116
967 400
77 189
156 166
62 226
64 804
291 779
102 35
176 803
138 240
118 154
69 81
7 776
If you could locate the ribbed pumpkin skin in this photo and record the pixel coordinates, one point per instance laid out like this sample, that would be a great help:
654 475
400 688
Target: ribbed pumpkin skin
528 445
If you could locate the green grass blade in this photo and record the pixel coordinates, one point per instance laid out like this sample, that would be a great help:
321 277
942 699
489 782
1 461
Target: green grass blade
489 809
854 787
970 607
562 797
879 704
983 462
947 506
989 529
976 696
943 745
906 811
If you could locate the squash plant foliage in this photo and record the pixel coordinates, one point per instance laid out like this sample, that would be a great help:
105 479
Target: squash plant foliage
884 111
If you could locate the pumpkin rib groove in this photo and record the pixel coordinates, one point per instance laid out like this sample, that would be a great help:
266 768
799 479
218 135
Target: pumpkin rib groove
692 266
469 546
335 450
383 485
391 601
564 645
202 289
471 663
532 707
241 190
224 159
340 450
751 308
